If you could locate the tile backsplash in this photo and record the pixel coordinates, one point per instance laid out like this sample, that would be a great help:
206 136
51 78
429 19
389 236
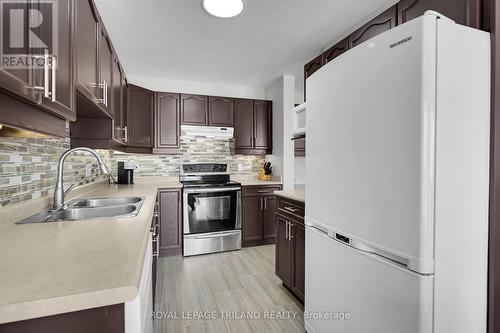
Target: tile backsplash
28 167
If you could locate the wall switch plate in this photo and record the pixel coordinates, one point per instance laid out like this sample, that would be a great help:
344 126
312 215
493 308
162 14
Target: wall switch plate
88 170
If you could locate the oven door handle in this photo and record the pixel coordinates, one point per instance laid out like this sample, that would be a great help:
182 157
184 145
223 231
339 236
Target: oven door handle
211 190
218 234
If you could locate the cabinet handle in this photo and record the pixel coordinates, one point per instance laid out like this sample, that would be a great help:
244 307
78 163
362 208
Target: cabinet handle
290 209
104 99
53 92
125 132
260 203
291 232
265 203
45 87
287 234
262 191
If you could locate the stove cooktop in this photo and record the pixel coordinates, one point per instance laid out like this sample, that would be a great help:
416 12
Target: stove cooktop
205 174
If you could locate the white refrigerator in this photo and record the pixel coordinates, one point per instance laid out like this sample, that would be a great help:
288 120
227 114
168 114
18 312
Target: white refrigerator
397 181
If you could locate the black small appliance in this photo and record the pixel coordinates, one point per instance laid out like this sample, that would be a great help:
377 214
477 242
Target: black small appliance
125 173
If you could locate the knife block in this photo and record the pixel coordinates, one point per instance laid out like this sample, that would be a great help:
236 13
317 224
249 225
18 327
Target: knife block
263 176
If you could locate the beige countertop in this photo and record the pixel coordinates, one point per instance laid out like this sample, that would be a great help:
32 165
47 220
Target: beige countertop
298 194
57 267
251 180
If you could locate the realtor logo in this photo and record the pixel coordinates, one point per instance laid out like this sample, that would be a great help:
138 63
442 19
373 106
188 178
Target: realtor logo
28 33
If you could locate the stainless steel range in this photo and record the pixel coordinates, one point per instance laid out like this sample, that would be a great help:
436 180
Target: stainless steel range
211 209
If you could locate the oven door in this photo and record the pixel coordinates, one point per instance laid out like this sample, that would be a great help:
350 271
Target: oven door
208 210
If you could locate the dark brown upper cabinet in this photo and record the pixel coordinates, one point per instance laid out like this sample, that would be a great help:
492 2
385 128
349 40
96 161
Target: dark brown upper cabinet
105 73
51 86
167 123
87 31
118 102
253 127
243 124
336 50
20 81
466 12
221 111
385 21
61 98
310 68
263 125
194 110
140 118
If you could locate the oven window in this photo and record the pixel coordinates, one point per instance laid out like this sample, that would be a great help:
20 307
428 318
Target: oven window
211 212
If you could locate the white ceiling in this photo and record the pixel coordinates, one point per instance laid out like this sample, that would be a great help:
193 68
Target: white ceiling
177 39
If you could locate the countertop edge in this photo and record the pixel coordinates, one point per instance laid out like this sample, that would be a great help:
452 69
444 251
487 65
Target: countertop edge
65 304
292 195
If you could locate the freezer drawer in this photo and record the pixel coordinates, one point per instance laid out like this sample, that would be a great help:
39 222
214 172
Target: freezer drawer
379 295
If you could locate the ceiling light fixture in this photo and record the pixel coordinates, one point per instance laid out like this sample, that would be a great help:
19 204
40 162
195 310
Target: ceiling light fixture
223 8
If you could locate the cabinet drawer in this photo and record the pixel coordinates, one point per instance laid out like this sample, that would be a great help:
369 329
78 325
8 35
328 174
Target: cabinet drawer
260 189
291 208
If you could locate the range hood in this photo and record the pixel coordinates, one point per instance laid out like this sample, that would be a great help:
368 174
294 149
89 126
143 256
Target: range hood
207 131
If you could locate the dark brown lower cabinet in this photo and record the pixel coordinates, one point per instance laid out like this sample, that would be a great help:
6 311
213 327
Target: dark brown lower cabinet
170 221
106 319
259 208
283 251
298 238
156 248
290 245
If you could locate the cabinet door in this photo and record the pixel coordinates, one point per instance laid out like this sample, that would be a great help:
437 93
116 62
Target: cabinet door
87 43
19 81
194 110
262 125
385 21
170 222
140 116
118 106
105 66
167 121
221 111
466 12
283 251
243 124
268 226
334 51
252 220
298 237
312 66
61 87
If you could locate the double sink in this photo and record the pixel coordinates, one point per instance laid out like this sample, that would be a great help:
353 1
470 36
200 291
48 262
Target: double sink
91 208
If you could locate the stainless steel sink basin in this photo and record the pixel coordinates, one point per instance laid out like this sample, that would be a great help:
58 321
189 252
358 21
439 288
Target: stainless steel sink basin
71 214
103 202
91 208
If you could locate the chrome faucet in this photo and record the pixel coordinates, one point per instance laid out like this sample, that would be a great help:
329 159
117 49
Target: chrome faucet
59 192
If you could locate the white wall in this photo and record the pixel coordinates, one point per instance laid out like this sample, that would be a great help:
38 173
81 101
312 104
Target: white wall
192 87
300 170
282 93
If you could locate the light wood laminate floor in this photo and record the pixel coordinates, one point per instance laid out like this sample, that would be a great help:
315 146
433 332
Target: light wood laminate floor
239 283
